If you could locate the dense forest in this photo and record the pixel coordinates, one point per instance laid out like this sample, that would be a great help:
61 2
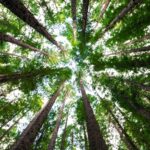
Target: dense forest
74 74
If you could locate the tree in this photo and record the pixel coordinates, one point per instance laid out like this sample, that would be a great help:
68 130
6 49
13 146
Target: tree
96 140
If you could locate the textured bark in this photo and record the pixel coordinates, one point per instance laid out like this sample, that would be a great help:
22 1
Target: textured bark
73 10
85 15
18 8
127 140
15 122
29 134
11 39
124 12
96 141
135 50
62 147
105 6
51 145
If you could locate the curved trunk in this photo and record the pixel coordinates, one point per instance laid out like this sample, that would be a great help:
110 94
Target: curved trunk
126 10
142 49
62 147
96 141
51 145
11 39
105 6
29 134
73 10
85 15
18 8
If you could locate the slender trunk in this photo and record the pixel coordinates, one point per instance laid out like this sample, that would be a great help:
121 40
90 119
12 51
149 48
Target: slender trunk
29 134
85 15
23 75
18 8
73 10
139 40
85 137
14 55
15 122
96 141
105 6
11 39
142 49
124 12
64 135
130 144
72 141
51 145
141 86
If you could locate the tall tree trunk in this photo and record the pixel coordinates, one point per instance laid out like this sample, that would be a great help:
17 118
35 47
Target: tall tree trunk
73 10
51 145
11 39
105 6
63 139
14 55
15 122
85 15
18 8
139 40
126 10
29 134
85 137
72 141
129 143
142 49
22 75
96 141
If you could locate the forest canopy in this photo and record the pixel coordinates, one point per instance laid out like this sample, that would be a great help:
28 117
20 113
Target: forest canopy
74 75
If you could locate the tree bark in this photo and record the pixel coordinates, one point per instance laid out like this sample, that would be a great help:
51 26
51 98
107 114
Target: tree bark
85 15
29 134
142 49
64 135
96 141
126 10
51 145
11 39
105 6
74 19
18 8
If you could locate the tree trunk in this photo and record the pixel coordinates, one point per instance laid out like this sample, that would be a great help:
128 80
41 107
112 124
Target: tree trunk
129 143
142 49
18 8
24 75
85 137
51 145
29 134
14 55
74 19
85 15
105 6
126 10
64 135
96 141
15 122
72 141
11 39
